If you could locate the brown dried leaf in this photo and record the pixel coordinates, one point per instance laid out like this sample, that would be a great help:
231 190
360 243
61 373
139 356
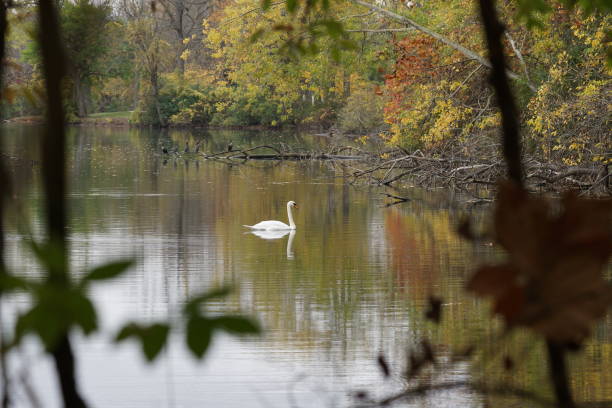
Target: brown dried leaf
552 281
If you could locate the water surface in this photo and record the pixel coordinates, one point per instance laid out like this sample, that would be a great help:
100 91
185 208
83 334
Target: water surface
352 282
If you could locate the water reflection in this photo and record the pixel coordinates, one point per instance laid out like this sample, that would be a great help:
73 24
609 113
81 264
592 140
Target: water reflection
352 281
277 234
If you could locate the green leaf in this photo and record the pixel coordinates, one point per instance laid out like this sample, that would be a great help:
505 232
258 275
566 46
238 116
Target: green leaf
153 338
38 321
55 311
193 306
50 255
199 335
11 283
237 325
265 4
82 311
108 271
127 331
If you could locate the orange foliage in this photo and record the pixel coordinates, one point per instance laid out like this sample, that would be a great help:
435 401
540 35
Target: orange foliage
416 58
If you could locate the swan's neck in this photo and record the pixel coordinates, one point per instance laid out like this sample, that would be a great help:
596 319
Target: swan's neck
290 215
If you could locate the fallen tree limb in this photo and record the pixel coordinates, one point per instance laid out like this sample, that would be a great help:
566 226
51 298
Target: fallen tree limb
398 165
470 174
245 154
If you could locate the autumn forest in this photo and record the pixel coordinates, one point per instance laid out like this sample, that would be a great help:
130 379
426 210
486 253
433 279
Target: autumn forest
411 73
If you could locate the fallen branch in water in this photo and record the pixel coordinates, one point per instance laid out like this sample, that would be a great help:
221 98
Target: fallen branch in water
245 154
398 199
400 166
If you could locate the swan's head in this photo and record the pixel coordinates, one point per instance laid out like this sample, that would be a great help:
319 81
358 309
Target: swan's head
292 204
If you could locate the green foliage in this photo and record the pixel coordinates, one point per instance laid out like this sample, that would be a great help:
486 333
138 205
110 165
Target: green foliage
152 338
146 112
108 271
56 310
199 327
193 106
84 31
85 41
304 35
57 305
116 87
363 111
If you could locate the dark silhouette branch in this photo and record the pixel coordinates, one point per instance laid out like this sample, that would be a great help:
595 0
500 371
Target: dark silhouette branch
424 390
511 139
54 180
512 154
4 194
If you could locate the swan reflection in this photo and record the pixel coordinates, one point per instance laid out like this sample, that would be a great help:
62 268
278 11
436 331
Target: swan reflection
277 234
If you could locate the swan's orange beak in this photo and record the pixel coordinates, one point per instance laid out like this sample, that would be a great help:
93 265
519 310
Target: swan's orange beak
295 205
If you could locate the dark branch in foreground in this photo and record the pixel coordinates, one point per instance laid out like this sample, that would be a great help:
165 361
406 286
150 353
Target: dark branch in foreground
512 153
54 181
4 194
490 390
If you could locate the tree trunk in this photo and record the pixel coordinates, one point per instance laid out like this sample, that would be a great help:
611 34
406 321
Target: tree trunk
154 78
180 64
346 84
80 95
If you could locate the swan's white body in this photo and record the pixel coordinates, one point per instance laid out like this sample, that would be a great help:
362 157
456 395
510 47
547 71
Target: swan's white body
276 225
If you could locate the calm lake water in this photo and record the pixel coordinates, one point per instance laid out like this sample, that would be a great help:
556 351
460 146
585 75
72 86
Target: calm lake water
352 282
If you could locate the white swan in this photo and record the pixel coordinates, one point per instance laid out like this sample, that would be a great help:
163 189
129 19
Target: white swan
276 225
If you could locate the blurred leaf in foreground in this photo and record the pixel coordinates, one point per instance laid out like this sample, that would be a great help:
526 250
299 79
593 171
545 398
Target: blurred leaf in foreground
552 280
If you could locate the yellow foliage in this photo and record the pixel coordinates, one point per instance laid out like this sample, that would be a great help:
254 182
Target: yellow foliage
185 54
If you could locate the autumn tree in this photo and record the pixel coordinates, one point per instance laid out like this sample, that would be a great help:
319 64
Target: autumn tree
84 36
184 19
151 52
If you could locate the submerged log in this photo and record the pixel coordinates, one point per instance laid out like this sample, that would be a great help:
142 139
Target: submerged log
293 156
277 155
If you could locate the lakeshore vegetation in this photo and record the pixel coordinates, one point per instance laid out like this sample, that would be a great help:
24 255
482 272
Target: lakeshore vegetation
369 72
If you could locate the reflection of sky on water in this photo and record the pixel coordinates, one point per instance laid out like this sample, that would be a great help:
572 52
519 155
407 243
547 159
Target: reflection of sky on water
353 279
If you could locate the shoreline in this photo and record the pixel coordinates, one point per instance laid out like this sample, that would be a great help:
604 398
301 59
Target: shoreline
124 122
